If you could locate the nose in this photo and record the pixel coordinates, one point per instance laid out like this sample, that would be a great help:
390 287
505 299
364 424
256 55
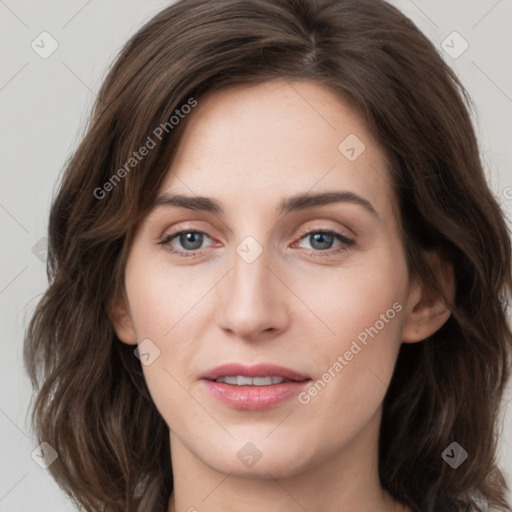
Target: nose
252 300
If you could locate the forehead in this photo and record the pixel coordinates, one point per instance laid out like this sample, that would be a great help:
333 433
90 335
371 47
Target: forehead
253 145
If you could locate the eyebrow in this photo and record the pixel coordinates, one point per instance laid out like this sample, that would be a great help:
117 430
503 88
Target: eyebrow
290 204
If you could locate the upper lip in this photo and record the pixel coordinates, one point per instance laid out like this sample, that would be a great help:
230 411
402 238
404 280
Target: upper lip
257 370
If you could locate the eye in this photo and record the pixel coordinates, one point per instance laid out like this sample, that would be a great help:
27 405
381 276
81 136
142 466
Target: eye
190 240
321 241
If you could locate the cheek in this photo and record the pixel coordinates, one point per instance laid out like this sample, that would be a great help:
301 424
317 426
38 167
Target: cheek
163 297
361 310
166 308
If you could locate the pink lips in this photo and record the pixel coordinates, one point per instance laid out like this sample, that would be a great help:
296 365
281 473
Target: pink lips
254 397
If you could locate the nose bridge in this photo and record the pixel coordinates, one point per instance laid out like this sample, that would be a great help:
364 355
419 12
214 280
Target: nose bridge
251 269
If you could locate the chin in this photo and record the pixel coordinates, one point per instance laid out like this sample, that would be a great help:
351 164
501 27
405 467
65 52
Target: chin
262 458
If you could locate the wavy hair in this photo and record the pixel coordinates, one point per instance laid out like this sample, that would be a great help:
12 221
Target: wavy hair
91 402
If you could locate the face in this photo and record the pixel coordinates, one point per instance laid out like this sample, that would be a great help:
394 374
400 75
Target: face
313 292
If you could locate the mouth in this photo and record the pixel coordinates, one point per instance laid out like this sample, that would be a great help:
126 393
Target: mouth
242 380
258 387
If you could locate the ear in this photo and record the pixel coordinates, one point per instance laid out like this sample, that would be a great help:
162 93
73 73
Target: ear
426 310
122 321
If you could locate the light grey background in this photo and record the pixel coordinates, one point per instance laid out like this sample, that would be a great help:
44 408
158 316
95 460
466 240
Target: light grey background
44 106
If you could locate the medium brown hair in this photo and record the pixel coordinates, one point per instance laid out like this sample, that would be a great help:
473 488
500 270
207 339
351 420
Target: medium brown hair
91 400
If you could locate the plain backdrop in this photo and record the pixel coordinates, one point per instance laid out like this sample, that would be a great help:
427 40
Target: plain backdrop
44 105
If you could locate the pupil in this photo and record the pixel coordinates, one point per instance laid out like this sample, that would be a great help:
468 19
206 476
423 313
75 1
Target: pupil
324 239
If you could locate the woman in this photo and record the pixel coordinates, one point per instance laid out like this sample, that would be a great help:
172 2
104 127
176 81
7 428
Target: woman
279 279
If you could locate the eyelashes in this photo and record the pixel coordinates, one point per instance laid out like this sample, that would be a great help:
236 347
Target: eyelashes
326 236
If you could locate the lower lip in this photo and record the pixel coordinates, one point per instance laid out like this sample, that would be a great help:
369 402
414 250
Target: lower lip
254 398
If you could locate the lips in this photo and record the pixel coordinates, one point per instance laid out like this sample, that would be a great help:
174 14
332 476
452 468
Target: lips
257 387
259 370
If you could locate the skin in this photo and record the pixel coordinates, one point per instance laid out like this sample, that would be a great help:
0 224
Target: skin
249 148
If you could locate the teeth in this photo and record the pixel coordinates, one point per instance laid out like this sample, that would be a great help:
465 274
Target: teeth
242 380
